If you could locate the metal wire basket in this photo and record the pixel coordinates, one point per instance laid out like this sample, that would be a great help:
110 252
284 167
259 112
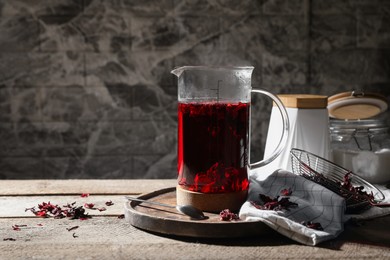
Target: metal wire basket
359 194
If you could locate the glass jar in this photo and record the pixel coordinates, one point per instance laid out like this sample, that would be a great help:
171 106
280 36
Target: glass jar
363 147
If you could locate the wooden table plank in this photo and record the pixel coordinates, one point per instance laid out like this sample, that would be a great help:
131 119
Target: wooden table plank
113 238
14 206
57 187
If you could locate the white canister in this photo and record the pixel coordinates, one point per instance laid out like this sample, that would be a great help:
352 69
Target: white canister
309 129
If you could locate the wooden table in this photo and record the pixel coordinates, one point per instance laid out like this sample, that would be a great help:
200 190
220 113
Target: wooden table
105 236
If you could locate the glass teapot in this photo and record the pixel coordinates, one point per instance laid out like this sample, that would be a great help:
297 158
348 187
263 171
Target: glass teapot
214 135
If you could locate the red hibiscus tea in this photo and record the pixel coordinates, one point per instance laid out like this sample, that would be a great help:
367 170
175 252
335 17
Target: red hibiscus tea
213 146
213 136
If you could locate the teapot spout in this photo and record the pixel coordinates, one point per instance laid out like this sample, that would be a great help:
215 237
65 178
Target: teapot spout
178 71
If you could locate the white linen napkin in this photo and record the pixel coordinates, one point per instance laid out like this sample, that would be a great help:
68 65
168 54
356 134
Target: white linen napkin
315 204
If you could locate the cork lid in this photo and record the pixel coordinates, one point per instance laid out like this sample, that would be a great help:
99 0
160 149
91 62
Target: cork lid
356 105
303 101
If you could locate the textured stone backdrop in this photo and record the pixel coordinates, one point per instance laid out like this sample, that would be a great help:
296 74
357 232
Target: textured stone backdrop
86 89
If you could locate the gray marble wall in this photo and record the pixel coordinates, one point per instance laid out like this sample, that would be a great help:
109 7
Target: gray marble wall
86 89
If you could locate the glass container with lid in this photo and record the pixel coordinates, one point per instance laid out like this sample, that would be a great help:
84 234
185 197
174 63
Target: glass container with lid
360 140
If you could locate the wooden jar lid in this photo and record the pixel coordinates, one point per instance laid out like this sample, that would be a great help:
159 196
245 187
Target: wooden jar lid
303 101
352 105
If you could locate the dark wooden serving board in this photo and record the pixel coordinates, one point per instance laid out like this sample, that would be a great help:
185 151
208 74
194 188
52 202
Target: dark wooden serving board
170 222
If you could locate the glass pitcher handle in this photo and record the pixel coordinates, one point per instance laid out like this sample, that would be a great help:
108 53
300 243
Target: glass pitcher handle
285 133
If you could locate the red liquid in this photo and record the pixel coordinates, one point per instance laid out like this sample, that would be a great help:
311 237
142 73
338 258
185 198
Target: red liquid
213 147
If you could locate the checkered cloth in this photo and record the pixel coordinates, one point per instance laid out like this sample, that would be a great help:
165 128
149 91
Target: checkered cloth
316 204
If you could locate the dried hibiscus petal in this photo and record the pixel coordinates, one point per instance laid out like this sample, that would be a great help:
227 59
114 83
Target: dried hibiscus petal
89 205
102 209
48 208
84 195
358 191
286 192
286 203
41 214
313 225
16 228
70 210
277 203
77 213
30 209
21 225
72 228
109 203
227 215
267 199
354 195
9 239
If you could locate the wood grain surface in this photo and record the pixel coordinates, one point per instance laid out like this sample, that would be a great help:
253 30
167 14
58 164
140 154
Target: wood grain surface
66 187
305 101
105 236
170 222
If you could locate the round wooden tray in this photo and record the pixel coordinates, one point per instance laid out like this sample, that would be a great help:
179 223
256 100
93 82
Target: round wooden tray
170 222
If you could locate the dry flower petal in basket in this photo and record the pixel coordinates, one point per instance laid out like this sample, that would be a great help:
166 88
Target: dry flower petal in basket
359 194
